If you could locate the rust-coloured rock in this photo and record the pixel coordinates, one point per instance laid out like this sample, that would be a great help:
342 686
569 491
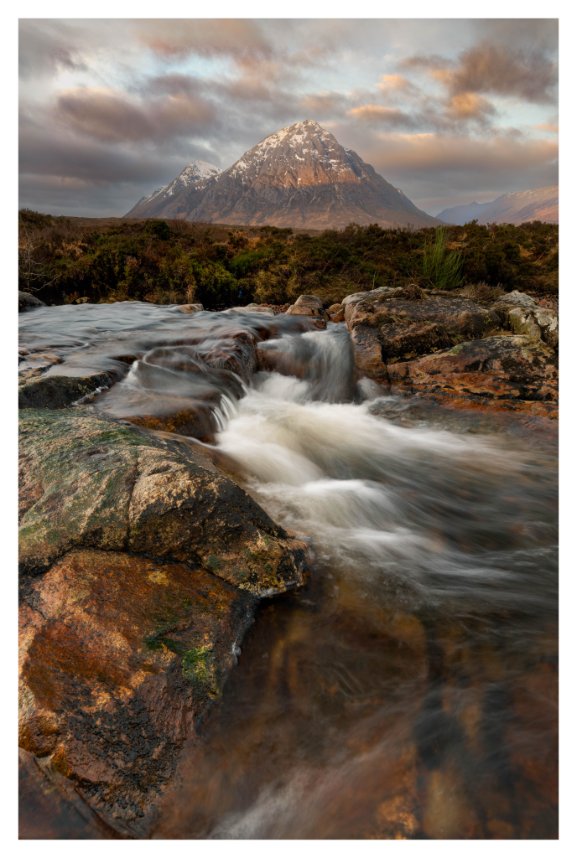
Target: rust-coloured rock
141 566
119 657
307 305
336 313
505 371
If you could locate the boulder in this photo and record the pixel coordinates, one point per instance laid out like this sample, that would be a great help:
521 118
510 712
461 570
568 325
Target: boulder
503 371
517 299
93 482
369 356
407 322
336 313
190 308
26 301
523 315
267 309
370 294
307 305
119 658
141 567
59 391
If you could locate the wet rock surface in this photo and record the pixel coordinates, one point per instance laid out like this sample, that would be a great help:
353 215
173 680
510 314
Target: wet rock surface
449 346
499 370
119 656
141 567
27 301
91 482
59 391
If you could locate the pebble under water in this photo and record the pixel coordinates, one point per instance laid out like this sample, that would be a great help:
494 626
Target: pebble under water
410 690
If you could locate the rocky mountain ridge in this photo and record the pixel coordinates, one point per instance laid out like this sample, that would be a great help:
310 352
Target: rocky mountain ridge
299 176
189 185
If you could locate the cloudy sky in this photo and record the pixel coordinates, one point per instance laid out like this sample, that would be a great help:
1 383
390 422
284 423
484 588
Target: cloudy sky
450 111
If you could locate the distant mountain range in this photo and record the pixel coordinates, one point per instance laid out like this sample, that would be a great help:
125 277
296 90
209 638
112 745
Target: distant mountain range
520 207
299 176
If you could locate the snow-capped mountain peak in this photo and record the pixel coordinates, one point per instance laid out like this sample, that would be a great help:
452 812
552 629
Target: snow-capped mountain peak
298 176
167 201
302 153
196 174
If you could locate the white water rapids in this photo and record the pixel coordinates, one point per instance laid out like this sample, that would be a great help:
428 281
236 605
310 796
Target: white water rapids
386 501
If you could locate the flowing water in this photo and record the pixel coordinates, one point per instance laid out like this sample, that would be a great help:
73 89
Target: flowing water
409 691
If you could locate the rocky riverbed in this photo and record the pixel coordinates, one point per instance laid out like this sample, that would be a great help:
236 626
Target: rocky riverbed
182 472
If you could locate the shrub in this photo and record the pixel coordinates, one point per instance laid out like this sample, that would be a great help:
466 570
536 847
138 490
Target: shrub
442 268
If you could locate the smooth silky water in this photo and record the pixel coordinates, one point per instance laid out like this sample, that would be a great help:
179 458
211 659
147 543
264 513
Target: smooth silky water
410 690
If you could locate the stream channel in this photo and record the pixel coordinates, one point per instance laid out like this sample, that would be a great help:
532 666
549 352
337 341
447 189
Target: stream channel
410 689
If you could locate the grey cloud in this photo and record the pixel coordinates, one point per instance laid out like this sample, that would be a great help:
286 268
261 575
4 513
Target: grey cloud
46 45
80 176
422 164
425 62
113 117
172 84
542 33
503 71
323 104
46 152
52 195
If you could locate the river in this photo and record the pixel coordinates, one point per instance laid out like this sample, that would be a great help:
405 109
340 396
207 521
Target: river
410 689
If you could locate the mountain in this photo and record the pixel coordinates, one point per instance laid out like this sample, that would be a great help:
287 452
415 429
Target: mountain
179 197
299 176
520 207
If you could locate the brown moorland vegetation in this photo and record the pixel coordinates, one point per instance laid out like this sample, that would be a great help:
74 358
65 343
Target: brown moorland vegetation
67 260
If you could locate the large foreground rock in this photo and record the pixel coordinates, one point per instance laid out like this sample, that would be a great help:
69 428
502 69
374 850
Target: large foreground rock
119 656
141 566
507 371
92 482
